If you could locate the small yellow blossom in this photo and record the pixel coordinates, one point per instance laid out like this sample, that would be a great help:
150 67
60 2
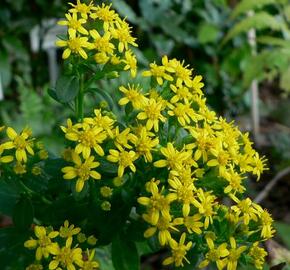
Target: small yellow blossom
74 44
67 257
164 226
258 255
74 24
174 158
132 94
44 245
234 254
124 158
83 171
178 252
90 263
67 231
215 254
20 142
82 8
157 204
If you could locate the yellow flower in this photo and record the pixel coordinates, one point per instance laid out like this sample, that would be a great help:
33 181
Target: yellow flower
174 158
144 144
89 137
204 203
82 8
192 223
44 245
74 45
124 158
245 210
183 112
163 226
152 112
215 254
196 84
74 24
122 139
221 159
102 43
83 171
21 143
105 14
159 72
259 165
90 263
181 94
204 142
132 94
234 254
122 32
67 257
178 252
258 255
157 203
234 182
182 192
266 225
130 62
103 121
182 73
67 230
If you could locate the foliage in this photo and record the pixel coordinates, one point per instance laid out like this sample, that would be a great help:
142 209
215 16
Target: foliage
146 171
271 22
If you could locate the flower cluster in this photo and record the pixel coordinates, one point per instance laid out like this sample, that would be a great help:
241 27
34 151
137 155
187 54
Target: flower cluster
66 248
182 159
97 32
18 149
198 157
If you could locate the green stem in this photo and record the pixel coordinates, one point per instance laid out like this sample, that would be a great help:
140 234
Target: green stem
33 193
80 100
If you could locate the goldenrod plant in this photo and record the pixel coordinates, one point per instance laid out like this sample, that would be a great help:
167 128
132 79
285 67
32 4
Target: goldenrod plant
164 172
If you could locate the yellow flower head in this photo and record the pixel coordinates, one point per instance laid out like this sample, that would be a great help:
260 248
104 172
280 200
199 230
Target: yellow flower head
178 252
67 257
20 142
74 44
74 24
44 243
83 171
123 158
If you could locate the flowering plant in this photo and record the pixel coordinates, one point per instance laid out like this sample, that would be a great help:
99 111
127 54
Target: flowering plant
153 169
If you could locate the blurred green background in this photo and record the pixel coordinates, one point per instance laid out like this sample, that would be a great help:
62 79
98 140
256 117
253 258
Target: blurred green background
230 43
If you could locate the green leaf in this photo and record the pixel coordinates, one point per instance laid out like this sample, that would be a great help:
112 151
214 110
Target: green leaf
124 254
67 88
207 33
273 41
285 80
9 194
23 213
125 10
52 93
247 5
258 21
283 231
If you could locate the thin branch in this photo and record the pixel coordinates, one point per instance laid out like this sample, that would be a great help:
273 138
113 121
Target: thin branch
265 192
254 86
